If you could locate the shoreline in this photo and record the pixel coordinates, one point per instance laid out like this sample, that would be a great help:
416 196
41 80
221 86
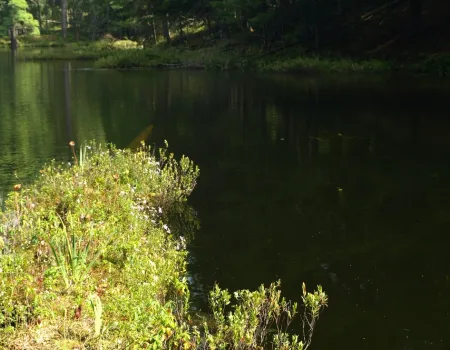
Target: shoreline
127 54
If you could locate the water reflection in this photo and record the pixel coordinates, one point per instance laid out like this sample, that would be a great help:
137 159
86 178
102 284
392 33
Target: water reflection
343 183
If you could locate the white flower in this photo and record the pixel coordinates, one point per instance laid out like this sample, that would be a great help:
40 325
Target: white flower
160 210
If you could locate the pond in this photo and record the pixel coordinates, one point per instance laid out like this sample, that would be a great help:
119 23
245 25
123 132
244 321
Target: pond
343 182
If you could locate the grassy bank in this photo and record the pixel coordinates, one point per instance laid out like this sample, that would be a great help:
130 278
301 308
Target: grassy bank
89 259
108 56
78 50
225 56
126 54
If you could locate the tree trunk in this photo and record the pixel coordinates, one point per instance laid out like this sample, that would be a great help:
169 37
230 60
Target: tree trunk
12 35
208 22
64 18
39 15
154 30
93 22
416 15
165 29
339 7
316 26
107 17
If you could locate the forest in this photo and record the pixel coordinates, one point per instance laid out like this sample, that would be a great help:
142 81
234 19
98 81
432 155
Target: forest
380 28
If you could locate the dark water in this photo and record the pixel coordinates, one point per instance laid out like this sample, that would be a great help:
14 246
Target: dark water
342 182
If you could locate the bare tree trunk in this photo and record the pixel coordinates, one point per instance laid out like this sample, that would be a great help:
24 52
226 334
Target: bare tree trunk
165 29
93 23
154 29
38 2
64 18
12 35
416 15
316 27
107 17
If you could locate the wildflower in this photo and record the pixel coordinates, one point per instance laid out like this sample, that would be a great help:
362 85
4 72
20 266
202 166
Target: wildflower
181 244
72 143
160 210
17 187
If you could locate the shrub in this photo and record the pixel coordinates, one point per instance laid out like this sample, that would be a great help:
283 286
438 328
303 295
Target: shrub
95 227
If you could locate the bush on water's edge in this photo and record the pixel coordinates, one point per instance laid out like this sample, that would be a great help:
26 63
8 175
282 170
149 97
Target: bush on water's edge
90 259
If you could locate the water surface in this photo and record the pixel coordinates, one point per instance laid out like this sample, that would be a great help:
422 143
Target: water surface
339 181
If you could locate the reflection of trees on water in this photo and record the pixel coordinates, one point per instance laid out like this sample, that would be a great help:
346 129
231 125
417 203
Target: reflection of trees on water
67 104
37 115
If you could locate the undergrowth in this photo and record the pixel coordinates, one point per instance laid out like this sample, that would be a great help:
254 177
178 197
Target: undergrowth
90 260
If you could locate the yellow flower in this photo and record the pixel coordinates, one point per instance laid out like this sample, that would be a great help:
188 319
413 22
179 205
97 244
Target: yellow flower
17 187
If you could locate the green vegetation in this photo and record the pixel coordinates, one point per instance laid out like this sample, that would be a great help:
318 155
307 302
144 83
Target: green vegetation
76 51
35 41
125 54
16 13
276 36
323 65
88 260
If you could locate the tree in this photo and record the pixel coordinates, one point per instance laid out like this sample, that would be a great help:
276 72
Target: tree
17 17
64 18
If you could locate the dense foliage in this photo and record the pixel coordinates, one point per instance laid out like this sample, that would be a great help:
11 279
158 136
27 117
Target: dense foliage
16 12
315 24
89 258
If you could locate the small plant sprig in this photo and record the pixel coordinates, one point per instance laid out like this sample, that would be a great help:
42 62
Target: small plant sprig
249 323
97 308
314 303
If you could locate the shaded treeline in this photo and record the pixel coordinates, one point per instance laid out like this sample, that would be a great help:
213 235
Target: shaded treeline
346 26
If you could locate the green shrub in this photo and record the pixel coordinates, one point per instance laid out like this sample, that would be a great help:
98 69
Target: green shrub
95 226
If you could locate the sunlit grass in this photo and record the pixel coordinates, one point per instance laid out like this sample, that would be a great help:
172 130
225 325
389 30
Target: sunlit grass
81 50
